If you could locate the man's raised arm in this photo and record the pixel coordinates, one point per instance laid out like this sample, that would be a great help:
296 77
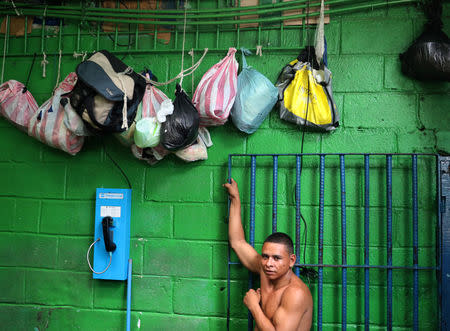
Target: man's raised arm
245 252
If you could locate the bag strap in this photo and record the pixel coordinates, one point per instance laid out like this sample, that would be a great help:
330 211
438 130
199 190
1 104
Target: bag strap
320 35
29 74
244 52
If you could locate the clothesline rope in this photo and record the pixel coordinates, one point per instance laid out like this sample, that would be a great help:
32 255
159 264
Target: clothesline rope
59 70
44 63
4 50
184 73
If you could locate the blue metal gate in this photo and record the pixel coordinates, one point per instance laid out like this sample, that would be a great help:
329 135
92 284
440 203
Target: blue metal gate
364 163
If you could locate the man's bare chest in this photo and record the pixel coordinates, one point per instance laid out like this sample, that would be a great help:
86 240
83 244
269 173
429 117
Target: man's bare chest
270 301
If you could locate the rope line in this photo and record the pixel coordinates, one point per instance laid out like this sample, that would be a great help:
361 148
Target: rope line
44 63
4 49
184 73
59 70
15 8
259 50
82 54
182 49
191 53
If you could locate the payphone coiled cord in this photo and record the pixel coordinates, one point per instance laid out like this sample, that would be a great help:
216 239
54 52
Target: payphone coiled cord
89 263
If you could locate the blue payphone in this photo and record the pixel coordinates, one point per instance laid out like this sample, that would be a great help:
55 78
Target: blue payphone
112 234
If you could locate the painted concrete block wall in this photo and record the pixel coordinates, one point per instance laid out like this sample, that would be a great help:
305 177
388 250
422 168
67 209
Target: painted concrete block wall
179 210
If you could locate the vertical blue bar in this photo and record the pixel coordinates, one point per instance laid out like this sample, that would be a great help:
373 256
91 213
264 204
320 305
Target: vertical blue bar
389 239
444 239
366 242
252 200
415 244
344 244
274 193
229 254
130 268
439 229
321 210
252 227
297 211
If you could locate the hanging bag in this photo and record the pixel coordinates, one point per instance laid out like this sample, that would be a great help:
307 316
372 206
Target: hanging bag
216 91
305 94
148 127
256 96
17 104
181 128
155 107
428 58
198 150
304 87
47 125
107 93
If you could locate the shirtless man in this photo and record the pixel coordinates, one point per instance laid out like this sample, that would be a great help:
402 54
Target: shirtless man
283 302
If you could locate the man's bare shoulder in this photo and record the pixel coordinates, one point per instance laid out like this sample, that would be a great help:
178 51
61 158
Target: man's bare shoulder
297 293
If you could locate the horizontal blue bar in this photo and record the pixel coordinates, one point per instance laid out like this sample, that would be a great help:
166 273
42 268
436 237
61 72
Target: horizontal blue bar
366 266
356 266
324 154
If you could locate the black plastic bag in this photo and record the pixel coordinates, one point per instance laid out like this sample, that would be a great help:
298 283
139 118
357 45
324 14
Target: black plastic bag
181 128
428 58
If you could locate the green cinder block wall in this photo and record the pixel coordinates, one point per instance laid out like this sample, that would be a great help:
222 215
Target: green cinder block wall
179 210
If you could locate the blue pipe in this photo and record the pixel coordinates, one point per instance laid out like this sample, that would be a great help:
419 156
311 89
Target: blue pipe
321 212
443 317
366 243
389 239
252 200
344 243
297 211
372 266
274 194
130 267
229 254
252 227
415 244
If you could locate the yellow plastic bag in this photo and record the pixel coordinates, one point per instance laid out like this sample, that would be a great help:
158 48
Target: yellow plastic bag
305 96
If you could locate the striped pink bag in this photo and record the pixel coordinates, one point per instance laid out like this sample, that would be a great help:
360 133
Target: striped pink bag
152 100
48 123
216 91
17 104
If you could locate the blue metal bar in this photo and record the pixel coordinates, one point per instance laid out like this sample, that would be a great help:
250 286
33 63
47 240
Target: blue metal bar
274 193
400 267
321 213
389 239
362 266
130 268
229 253
344 243
444 239
252 227
297 211
366 242
304 154
439 197
415 244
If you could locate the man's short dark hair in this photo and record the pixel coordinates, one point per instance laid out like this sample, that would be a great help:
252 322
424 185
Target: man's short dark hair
281 238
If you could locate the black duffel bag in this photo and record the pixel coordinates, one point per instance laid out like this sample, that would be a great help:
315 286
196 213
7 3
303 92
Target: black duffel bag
107 93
